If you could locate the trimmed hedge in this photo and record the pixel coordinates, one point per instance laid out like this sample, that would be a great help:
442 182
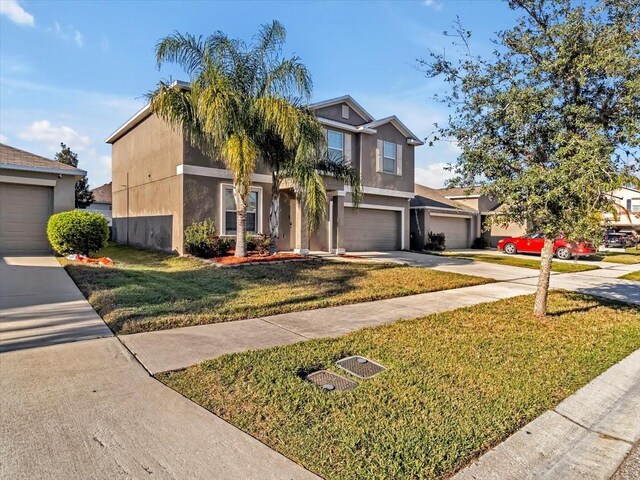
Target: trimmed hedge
77 231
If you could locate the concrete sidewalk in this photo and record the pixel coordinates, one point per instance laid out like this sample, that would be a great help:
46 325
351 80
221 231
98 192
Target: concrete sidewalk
585 437
178 348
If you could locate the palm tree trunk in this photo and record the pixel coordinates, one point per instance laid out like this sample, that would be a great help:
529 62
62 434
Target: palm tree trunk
540 305
274 214
241 225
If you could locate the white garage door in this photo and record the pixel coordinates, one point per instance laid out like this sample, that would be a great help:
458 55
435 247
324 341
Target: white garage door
456 230
369 229
24 212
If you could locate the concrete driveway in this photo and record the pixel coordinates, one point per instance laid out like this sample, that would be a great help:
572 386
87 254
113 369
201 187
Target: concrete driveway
87 409
455 265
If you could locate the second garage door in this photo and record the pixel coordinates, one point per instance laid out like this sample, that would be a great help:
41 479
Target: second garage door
455 229
367 229
24 212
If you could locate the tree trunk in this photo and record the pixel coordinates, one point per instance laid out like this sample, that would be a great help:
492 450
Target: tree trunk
274 214
540 306
241 225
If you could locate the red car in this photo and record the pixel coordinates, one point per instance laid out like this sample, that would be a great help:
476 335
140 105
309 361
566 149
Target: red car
533 243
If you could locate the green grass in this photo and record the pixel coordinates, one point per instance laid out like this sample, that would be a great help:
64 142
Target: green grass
153 291
560 267
457 383
626 258
632 276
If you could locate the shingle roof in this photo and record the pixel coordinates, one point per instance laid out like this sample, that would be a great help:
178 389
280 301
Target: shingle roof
431 197
14 157
102 194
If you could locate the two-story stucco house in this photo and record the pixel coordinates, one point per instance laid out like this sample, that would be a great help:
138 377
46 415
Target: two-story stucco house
162 184
628 205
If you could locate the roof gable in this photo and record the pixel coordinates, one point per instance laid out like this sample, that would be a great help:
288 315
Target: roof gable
401 127
355 106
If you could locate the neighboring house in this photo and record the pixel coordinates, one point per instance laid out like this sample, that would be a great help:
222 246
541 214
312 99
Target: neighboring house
431 211
628 204
486 207
31 189
102 201
162 184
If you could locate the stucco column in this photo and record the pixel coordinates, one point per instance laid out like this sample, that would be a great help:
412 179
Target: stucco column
301 242
337 217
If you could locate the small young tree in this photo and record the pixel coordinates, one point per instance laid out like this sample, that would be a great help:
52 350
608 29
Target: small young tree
550 125
84 197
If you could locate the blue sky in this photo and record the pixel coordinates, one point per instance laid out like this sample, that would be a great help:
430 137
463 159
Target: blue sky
74 71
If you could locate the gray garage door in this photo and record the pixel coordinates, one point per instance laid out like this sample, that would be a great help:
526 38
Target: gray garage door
456 230
369 229
24 211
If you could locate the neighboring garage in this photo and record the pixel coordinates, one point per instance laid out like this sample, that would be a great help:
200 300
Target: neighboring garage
432 212
455 228
368 229
31 189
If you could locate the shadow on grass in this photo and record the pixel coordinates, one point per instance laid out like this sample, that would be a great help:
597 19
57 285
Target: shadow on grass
600 296
137 291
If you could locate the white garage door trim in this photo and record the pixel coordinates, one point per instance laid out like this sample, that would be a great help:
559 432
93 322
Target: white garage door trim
42 182
383 207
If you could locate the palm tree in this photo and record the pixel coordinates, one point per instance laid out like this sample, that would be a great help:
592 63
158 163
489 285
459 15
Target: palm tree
237 92
305 168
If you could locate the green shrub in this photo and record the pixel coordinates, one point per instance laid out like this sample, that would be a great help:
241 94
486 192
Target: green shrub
258 243
480 243
435 242
201 240
77 231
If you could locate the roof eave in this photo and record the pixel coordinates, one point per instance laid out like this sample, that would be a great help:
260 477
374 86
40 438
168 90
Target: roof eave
59 171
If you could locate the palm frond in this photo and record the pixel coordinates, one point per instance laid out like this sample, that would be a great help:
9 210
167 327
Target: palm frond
185 50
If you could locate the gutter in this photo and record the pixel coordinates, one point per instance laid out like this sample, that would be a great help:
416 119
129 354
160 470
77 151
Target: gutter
76 172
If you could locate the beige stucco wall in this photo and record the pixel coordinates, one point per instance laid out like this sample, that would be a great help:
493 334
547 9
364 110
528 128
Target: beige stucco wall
145 183
202 201
334 112
372 178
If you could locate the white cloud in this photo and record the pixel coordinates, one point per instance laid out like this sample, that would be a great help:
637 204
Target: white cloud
3 139
434 175
68 34
14 12
78 38
43 132
433 4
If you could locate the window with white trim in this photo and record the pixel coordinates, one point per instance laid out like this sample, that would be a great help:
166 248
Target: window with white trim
335 141
635 205
230 217
389 157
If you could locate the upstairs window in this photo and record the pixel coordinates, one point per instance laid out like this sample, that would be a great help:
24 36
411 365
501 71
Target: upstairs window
230 219
634 205
390 157
335 142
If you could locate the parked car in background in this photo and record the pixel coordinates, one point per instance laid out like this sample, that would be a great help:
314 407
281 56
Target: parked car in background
532 243
617 240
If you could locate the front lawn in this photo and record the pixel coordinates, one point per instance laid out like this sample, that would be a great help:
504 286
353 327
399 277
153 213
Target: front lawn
626 258
560 267
632 276
147 290
457 383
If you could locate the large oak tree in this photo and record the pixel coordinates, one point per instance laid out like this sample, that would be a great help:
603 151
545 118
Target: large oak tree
550 123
